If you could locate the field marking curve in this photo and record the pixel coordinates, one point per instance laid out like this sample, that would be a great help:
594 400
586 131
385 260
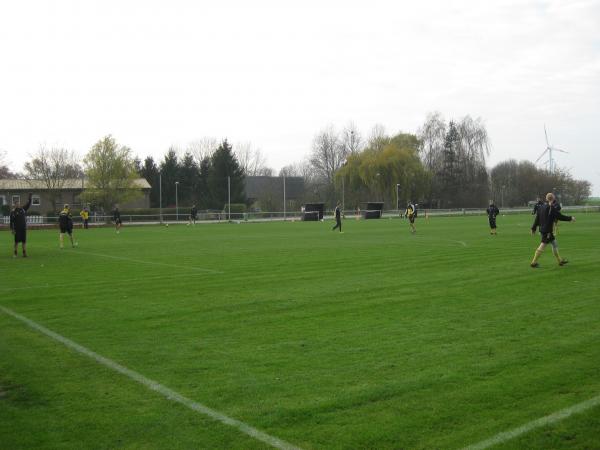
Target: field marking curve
543 421
156 386
140 261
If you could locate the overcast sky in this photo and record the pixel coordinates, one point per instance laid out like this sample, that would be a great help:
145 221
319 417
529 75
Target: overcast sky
160 73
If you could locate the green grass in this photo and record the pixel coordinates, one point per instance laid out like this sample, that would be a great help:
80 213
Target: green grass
374 338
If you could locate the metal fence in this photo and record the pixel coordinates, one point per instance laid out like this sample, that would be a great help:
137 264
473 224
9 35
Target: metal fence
223 216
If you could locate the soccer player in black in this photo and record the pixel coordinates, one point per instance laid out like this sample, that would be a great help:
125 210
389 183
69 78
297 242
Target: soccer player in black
117 219
411 213
18 225
65 222
338 218
545 218
492 212
193 215
537 206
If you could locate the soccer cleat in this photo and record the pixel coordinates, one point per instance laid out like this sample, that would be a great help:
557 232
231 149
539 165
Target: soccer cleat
534 265
563 262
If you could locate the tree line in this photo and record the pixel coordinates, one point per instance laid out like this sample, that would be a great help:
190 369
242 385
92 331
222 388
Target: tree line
443 165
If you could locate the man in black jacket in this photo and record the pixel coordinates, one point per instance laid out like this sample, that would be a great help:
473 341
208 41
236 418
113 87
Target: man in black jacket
18 225
545 218
492 212
117 218
338 218
65 223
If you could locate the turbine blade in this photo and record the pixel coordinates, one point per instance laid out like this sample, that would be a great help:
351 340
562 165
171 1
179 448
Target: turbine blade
558 150
546 133
541 156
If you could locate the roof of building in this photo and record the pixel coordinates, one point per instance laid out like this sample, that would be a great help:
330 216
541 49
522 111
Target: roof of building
71 184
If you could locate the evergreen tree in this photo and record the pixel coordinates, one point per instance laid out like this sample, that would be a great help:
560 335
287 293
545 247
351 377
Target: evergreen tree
150 172
188 181
204 195
224 164
170 174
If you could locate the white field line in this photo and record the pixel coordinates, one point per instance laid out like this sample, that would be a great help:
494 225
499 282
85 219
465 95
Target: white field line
157 387
546 420
140 261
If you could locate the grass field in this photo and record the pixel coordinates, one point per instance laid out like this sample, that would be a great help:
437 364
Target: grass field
374 338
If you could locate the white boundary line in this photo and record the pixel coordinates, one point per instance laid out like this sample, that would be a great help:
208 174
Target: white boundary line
546 420
157 387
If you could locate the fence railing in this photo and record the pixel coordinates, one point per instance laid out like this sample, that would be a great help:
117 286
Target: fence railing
223 216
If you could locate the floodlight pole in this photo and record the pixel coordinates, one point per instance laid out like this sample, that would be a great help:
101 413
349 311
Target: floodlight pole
176 203
284 197
343 193
229 198
160 197
398 197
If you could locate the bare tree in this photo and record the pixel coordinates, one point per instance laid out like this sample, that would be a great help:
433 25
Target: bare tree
377 139
327 154
252 160
4 170
202 148
351 139
302 169
53 167
432 137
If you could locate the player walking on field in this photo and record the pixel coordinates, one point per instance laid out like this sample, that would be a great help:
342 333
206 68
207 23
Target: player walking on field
117 219
411 214
18 225
537 206
545 218
85 217
193 215
338 218
492 212
65 222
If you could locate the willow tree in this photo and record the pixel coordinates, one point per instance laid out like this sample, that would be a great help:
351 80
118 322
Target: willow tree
382 172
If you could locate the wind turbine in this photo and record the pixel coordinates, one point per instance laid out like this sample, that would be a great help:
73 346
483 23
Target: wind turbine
549 150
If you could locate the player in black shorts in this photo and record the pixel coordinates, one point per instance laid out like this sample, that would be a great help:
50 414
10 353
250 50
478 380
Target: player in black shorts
193 215
65 222
338 218
492 212
18 225
537 206
117 219
411 213
545 218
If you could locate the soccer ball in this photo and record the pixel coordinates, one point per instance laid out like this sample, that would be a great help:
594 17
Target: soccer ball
166 225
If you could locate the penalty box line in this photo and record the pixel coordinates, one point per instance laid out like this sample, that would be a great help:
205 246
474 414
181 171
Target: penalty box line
538 423
157 387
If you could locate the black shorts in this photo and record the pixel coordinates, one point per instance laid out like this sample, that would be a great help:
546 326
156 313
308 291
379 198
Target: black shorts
411 219
68 230
20 236
118 222
548 238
